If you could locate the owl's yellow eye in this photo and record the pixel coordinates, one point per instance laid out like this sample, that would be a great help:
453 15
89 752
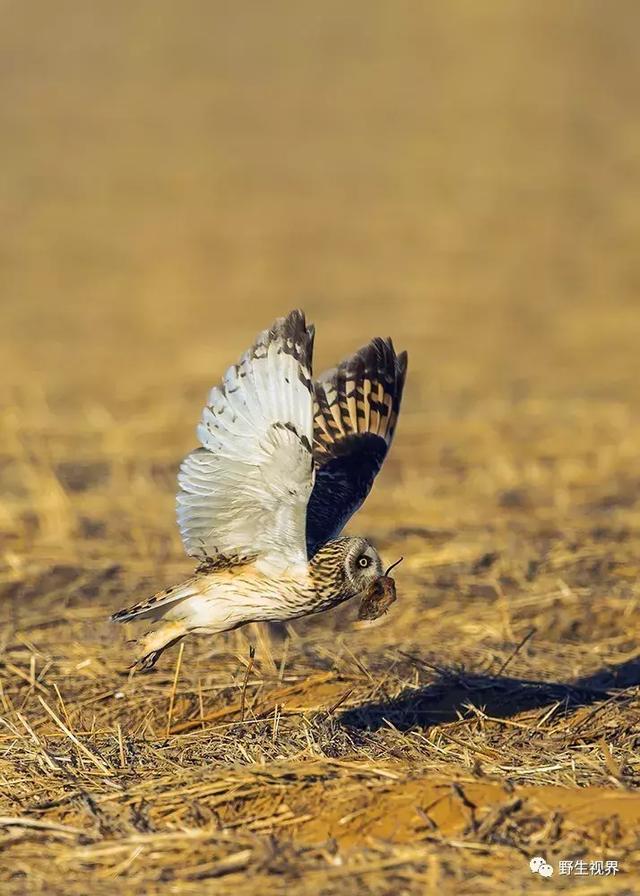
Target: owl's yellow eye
363 562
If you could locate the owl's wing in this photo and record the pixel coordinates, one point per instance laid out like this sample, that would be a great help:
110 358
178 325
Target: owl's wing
356 408
244 493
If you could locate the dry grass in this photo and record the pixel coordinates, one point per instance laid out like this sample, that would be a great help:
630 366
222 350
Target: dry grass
461 176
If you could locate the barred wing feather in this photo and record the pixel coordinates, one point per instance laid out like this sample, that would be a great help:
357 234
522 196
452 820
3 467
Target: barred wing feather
356 407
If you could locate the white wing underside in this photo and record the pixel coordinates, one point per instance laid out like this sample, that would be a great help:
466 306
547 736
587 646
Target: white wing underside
245 491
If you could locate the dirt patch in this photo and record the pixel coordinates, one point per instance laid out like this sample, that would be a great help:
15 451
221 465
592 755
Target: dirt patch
404 812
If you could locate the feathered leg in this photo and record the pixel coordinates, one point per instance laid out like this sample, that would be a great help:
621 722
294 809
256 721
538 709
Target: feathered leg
155 642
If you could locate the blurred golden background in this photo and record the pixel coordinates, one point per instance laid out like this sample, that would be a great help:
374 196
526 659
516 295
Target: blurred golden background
464 177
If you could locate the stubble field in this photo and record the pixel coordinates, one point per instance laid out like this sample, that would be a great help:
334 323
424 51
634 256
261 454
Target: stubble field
461 177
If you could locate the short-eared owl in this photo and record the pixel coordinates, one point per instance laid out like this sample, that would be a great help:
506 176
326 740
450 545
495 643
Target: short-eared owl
284 462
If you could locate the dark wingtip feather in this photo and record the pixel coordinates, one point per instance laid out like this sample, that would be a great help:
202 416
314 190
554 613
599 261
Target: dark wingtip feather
402 362
295 338
291 325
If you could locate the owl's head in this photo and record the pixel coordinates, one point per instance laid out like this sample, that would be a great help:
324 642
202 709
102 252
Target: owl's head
345 567
362 565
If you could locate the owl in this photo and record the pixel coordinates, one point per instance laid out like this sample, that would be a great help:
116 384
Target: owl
284 461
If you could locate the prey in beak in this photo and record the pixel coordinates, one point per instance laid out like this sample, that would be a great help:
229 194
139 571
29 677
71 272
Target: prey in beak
379 596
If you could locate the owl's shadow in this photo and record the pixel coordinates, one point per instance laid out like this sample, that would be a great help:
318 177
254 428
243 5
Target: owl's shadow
454 694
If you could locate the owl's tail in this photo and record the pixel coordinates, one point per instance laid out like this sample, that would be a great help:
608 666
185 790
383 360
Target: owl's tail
159 604
173 629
